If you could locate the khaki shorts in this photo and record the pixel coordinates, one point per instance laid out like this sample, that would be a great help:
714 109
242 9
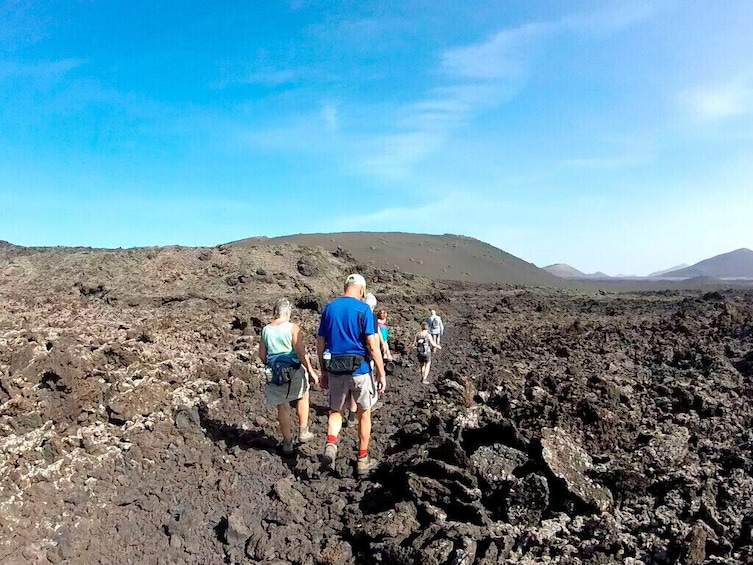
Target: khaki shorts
361 387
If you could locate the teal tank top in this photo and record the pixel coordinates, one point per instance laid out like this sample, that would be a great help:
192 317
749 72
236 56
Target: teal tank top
278 339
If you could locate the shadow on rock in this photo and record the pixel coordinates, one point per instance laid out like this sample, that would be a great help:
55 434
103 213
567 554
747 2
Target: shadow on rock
233 436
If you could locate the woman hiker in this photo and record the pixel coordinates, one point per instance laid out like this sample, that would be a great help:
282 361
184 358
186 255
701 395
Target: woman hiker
281 349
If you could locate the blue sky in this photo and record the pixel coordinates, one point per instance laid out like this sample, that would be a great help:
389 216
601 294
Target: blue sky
612 136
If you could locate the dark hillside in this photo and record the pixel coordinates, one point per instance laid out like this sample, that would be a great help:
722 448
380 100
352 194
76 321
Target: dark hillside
438 257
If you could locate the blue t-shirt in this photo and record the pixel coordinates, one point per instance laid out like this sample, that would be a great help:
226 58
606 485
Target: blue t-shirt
346 321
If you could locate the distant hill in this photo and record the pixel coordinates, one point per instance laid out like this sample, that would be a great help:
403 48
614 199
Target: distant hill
665 271
736 264
443 257
564 271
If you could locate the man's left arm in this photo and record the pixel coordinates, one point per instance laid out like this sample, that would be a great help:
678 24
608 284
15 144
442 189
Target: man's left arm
374 347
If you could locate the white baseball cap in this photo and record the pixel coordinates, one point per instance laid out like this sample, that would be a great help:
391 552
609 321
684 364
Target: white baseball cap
356 279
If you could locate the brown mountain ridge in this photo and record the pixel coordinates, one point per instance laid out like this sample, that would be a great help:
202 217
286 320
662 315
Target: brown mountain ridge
736 264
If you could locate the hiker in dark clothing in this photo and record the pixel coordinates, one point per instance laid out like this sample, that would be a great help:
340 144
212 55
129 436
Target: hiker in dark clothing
424 343
436 326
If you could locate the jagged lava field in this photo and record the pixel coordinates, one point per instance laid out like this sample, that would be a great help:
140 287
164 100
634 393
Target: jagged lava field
561 425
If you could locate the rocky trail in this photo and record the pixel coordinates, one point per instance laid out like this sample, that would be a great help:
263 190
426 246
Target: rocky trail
559 427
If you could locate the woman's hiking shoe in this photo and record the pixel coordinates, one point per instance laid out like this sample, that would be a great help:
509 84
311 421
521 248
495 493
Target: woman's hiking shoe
364 465
330 454
287 446
305 436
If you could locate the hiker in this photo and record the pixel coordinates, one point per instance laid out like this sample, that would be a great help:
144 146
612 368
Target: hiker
347 340
288 371
384 332
436 327
371 300
424 344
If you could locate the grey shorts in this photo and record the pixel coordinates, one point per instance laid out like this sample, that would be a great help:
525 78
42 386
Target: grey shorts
282 394
362 388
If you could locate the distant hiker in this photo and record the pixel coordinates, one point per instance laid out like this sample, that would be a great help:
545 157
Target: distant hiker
346 341
384 332
436 327
424 343
288 371
371 300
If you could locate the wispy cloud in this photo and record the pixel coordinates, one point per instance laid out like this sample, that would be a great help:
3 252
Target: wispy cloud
721 100
392 156
607 163
21 23
273 78
268 78
478 77
455 209
506 55
329 116
49 70
468 80
615 17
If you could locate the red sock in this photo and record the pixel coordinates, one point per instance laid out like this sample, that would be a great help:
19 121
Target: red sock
331 439
362 452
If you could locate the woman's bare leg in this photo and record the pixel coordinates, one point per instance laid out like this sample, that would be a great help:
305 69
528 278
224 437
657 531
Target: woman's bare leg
302 407
283 419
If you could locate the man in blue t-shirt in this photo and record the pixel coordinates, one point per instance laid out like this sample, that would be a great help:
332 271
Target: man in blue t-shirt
347 340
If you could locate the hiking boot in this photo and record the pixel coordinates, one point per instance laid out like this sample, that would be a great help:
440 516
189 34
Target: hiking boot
364 465
287 447
305 436
330 454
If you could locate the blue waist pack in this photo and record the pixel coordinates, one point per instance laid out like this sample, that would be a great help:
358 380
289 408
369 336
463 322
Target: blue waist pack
283 366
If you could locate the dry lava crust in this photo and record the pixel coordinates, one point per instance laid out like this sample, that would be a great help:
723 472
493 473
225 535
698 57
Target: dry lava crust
562 427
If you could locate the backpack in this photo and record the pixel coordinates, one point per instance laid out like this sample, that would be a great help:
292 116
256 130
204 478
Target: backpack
282 366
422 347
435 323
